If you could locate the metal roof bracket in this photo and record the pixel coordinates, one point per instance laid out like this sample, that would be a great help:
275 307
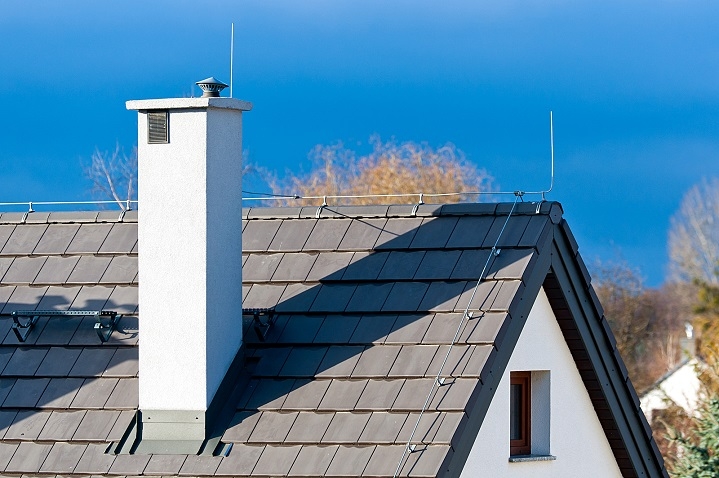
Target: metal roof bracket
121 216
263 320
318 214
22 328
27 213
416 206
25 320
105 324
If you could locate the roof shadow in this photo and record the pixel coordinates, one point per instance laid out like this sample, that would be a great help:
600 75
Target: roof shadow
385 298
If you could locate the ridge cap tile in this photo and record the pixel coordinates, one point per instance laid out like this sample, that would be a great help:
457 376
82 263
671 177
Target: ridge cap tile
37 217
414 210
280 212
72 217
469 208
12 217
366 211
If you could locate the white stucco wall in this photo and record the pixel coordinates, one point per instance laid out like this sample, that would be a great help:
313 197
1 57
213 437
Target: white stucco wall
681 387
190 251
575 437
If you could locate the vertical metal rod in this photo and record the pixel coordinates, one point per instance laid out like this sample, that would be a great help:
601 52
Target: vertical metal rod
551 142
551 147
232 54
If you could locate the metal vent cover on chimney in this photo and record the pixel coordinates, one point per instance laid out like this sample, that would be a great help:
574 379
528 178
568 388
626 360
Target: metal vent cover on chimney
157 127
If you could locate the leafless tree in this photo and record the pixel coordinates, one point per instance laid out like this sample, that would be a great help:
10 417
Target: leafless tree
647 323
694 235
113 176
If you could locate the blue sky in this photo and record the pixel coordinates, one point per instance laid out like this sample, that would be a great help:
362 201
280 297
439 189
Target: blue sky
634 87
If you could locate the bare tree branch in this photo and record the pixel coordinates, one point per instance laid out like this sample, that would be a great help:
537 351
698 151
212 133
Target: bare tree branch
112 172
694 235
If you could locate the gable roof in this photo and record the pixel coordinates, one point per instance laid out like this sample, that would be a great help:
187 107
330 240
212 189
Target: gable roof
366 302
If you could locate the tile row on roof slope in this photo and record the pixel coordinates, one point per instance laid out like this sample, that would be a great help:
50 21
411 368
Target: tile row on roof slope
367 302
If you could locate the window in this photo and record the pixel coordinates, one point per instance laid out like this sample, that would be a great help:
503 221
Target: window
520 413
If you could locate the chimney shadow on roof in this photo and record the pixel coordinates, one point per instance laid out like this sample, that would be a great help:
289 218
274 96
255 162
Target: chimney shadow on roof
361 319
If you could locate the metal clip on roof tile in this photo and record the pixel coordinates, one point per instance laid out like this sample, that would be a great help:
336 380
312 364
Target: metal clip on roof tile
105 323
416 206
263 320
318 213
23 324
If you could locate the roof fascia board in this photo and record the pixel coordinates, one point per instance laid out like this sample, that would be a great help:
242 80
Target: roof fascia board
519 311
614 388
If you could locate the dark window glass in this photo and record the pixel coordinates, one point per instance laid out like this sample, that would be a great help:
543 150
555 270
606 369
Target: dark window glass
515 414
520 413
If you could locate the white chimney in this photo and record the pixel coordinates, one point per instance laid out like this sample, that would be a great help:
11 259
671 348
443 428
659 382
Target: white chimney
190 258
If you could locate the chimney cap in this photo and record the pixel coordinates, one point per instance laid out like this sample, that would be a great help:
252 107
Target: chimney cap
211 87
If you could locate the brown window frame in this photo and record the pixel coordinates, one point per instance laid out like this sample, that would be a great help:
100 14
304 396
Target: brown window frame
523 445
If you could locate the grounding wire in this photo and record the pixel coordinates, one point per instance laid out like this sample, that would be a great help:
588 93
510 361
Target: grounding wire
269 196
466 315
276 197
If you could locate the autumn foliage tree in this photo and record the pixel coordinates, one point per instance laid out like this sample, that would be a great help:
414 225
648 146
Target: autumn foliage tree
647 323
389 170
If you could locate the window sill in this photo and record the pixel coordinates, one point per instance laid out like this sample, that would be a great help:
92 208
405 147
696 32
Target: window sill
525 458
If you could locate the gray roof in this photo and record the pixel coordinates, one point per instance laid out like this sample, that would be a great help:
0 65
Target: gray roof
367 301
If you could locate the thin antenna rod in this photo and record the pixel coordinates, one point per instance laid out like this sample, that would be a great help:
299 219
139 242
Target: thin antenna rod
551 146
232 54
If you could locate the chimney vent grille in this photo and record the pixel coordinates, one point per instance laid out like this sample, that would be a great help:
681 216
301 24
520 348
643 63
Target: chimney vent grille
157 127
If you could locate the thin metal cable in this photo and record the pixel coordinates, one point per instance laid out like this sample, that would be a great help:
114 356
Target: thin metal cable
269 196
59 203
30 204
465 316
279 197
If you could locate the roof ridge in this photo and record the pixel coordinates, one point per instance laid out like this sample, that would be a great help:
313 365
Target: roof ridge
551 208
67 217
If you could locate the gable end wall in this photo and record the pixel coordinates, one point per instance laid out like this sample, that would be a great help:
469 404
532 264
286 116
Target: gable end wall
594 351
